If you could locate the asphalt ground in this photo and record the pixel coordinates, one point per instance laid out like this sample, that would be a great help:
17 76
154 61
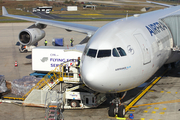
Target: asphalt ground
43 15
10 50
161 102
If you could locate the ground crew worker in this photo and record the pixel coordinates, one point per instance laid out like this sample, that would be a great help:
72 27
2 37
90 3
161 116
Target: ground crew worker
71 41
78 64
45 42
131 116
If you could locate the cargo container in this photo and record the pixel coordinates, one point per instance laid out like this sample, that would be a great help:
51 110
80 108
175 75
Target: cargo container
58 42
46 58
72 8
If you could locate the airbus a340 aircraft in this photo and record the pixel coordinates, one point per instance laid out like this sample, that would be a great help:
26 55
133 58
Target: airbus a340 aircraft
122 54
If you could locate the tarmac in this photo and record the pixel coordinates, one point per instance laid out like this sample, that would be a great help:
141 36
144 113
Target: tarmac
161 102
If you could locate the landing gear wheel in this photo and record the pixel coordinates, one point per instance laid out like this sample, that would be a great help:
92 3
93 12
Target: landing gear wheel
166 65
173 65
74 104
111 111
121 111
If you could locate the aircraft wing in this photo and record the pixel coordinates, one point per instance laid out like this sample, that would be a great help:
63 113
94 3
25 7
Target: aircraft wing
86 29
166 5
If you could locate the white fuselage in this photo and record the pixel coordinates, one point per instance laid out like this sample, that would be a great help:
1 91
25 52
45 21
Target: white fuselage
144 44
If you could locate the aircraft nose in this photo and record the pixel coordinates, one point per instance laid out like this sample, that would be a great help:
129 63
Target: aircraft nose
87 73
88 77
92 75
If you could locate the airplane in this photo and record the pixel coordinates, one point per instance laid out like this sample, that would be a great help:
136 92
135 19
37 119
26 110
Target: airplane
122 54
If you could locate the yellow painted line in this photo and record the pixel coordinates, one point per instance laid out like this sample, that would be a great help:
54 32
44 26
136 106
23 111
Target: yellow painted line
142 118
164 108
147 107
145 111
132 110
150 90
153 112
119 118
91 14
168 92
144 92
13 98
162 91
156 108
164 102
162 113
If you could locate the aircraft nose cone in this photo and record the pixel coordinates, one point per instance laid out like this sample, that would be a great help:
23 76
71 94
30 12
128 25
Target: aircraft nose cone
87 74
92 75
89 77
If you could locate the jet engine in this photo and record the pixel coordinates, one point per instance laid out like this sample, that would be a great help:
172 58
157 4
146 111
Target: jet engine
30 36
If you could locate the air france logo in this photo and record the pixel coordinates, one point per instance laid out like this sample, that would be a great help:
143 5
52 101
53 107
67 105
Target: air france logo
44 59
156 28
130 49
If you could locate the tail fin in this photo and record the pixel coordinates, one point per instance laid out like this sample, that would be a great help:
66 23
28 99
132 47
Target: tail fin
4 11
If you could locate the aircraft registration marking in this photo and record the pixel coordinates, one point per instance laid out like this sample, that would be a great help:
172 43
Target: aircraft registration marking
123 68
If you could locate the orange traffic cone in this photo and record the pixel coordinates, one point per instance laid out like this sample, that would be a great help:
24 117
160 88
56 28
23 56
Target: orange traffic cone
16 64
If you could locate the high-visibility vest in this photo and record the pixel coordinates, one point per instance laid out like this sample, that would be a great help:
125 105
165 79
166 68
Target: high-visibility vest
71 40
79 63
45 42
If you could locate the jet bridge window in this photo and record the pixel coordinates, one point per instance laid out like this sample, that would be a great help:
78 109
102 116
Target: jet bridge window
121 51
104 53
92 53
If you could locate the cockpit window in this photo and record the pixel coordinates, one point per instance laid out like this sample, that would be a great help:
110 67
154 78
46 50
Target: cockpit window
92 53
104 53
115 53
121 51
85 49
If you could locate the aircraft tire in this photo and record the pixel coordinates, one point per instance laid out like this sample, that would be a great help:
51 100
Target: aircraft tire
121 111
111 110
173 65
74 103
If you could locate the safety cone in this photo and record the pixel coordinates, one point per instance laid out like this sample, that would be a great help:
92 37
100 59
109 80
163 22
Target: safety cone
16 64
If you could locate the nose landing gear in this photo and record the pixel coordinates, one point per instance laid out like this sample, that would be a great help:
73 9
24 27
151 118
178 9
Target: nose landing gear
116 107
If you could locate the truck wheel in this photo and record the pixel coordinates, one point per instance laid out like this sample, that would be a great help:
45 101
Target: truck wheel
121 111
111 110
74 103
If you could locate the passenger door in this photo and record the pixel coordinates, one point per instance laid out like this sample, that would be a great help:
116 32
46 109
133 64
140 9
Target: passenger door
144 48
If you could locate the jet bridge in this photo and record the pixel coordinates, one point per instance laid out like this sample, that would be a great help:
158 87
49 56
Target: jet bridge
173 24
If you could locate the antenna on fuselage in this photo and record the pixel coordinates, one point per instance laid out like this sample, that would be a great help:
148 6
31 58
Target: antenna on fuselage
126 15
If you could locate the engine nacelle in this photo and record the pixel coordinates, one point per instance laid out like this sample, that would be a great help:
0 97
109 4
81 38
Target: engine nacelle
31 36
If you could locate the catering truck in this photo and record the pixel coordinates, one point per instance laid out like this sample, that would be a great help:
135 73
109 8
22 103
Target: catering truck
46 58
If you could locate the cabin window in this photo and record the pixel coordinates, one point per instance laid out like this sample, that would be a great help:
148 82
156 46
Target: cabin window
115 53
104 53
121 51
92 53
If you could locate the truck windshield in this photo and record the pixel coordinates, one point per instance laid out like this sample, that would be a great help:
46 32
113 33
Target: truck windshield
104 53
92 53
